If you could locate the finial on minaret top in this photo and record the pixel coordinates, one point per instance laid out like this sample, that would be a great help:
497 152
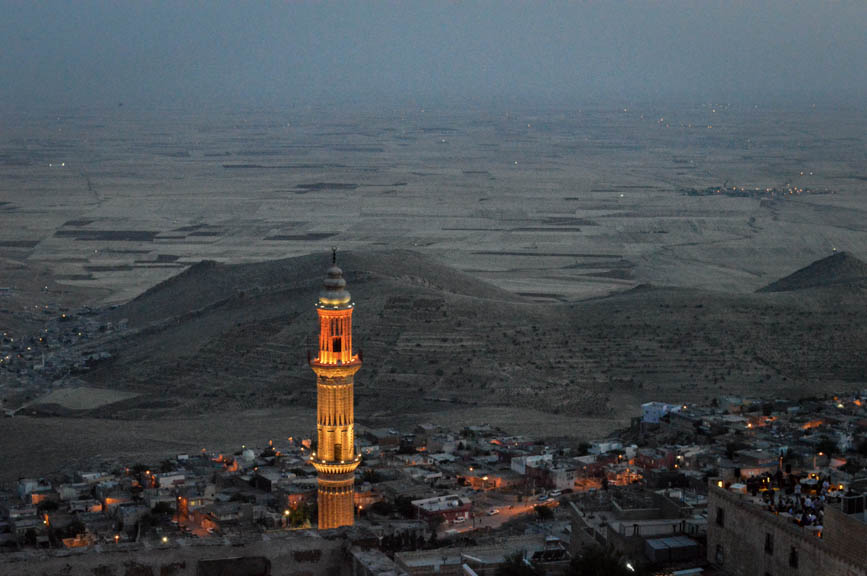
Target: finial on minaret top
334 288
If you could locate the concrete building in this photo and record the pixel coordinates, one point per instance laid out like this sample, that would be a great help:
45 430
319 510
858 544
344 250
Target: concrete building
652 412
335 366
451 508
27 486
519 463
168 479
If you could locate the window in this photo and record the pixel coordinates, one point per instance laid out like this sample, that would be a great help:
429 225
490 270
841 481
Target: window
793 557
720 517
720 556
769 543
336 346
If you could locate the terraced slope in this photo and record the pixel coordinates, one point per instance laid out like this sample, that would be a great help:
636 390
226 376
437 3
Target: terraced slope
223 337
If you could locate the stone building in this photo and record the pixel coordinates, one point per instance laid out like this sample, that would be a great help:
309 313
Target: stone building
744 539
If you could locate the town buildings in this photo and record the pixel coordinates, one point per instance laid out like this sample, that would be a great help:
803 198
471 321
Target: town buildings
432 499
786 495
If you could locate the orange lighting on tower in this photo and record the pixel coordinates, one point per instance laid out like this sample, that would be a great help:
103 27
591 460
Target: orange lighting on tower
335 366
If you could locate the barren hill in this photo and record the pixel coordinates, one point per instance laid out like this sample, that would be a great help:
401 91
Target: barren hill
209 283
841 268
221 337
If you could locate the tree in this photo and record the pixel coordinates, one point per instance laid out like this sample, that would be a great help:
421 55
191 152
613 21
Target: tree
382 508
543 512
371 475
72 530
46 506
827 445
515 565
404 507
297 517
30 537
597 561
311 510
163 509
434 522
732 447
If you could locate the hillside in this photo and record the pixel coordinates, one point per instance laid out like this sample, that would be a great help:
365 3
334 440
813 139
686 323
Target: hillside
221 337
209 283
839 269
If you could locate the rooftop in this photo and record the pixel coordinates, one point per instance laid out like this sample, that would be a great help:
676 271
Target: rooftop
440 503
475 555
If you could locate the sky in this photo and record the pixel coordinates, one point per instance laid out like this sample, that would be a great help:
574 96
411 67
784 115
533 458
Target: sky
277 53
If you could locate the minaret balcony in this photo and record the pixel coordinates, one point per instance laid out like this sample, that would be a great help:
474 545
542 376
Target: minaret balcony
335 466
336 368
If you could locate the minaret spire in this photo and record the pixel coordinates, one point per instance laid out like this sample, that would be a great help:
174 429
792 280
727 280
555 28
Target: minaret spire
335 366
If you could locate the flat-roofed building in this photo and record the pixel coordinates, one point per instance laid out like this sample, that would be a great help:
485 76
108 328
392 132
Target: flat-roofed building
450 507
538 549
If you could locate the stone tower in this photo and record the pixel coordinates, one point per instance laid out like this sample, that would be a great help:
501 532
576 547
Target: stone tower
335 459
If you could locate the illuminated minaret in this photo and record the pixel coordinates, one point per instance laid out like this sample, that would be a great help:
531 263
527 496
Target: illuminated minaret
335 458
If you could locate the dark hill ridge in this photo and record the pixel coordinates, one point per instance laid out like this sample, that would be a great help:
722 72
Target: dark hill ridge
225 337
841 268
207 283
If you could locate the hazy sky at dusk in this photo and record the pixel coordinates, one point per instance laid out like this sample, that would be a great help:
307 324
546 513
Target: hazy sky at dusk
183 53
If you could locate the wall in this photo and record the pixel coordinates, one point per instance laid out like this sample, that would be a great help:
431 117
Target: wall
295 554
845 535
742 539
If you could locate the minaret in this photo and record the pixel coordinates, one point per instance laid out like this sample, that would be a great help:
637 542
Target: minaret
335 458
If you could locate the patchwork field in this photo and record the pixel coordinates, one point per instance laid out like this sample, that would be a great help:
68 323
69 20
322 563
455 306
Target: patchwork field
544 270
